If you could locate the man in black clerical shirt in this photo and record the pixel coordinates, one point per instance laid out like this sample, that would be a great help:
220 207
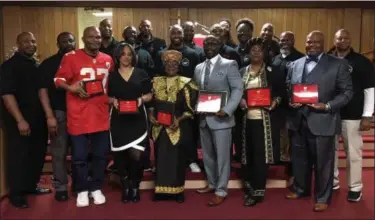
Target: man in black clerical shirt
109 43
189 32
147 41
144 59
225 51
288 53
272 47
245 28
190 59
59 143
25 113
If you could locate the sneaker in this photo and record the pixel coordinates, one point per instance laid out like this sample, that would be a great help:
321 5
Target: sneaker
82 199
354 196
195 168
98 197
336 187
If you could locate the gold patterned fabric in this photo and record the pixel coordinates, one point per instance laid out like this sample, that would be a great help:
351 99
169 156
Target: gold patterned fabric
167 89
169 189
171 55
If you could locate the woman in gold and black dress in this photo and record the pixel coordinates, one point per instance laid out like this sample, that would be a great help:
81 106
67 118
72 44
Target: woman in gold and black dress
171 141
261 131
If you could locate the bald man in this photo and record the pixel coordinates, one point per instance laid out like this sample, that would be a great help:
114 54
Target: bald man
25 113
189 33
87 113
272 47
314 126
357 115
109 43
149 42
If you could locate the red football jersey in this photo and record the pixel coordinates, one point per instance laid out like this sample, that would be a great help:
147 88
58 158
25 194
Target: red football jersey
89 115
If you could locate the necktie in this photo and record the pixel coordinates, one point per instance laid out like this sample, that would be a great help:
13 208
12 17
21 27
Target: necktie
207 72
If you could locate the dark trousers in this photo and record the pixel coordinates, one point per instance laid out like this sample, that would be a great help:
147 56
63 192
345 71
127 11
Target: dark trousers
146 156
25 157
237 134
192 154
99 144
129 165
59 148
255 171
313 151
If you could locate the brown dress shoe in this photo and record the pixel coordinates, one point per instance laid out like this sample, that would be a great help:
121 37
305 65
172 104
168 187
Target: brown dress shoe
320 207
217 200
206 189
292 195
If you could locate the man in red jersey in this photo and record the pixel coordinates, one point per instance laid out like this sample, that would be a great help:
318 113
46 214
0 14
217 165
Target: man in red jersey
88 116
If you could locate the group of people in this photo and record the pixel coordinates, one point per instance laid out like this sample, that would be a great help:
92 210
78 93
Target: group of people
148 91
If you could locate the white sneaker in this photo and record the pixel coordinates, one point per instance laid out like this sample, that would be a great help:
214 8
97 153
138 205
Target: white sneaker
195 168
98 197
83 199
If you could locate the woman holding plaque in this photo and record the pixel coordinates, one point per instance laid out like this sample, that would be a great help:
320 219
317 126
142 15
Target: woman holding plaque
128 88
173 103
263 93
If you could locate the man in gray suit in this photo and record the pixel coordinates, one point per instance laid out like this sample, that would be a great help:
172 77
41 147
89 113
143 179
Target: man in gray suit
314 126
218 74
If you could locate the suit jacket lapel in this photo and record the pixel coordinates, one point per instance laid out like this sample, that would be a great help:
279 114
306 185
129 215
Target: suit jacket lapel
318 69
300 67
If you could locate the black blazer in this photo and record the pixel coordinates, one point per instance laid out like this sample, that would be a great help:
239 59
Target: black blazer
334 87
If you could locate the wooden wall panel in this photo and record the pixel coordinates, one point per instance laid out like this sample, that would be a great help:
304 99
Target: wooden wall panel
45 23
299 21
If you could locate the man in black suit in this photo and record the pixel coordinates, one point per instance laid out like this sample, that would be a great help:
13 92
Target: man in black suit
272 47
314 126
288 54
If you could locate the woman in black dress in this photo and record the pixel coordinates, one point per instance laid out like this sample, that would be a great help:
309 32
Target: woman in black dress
175 95
128 132
262 125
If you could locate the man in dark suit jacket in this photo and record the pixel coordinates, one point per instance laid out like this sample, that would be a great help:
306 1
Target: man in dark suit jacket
314 126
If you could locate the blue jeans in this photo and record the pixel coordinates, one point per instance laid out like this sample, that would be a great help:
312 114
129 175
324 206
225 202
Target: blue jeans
99 143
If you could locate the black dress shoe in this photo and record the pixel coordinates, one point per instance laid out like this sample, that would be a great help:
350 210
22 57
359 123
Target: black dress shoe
125 196
19 202
61 196
252 201
39 191
180 198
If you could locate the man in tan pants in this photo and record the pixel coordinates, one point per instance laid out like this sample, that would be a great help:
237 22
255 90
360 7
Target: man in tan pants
356 116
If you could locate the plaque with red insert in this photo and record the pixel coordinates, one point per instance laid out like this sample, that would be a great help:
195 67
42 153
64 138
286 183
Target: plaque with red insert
258 97
165 113
305 93
93 87
128 106
211 101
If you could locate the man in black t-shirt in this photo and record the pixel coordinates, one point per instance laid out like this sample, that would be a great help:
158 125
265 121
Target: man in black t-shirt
109 43
189 32
59 143
357 115
25 113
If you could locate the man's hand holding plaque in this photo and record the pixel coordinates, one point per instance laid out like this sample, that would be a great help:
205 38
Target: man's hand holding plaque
258 97
211 102
93 87
78 90
305 94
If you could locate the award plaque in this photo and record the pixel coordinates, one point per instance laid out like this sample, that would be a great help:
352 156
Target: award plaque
211 101
305 93
164 113
258 97
93 87
128 106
